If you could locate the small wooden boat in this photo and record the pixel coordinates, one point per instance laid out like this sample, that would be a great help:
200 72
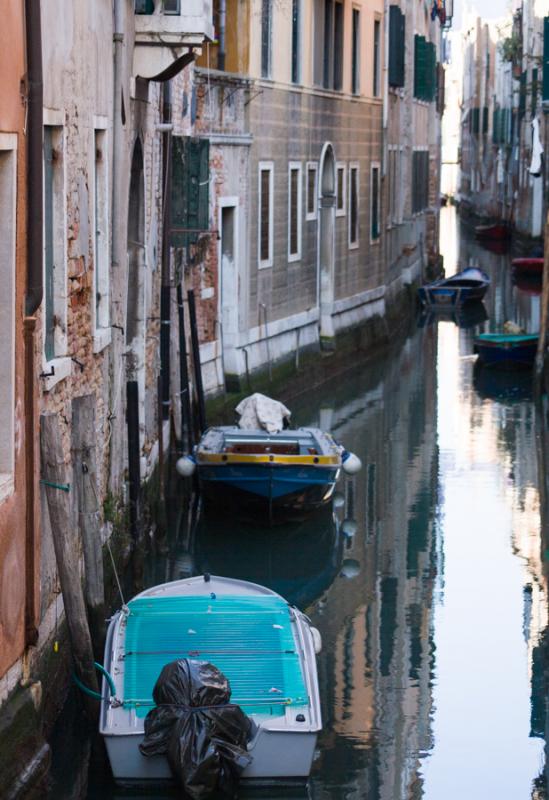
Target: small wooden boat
528 266
263 646
275 476
463 287
496 230
508 350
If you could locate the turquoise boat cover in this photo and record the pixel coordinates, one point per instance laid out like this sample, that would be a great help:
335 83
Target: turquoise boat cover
249 638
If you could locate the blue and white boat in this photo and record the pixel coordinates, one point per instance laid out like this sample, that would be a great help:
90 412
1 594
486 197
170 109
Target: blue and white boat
266 648
507 350
463 287
277 476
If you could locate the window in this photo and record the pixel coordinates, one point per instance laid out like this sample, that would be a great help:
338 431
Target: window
148 6
332 26
266 37
312 190
355 54
265 219
395 182
296 33
294 211
8 227
353 205
190 195
377 31
420 180
101 238
341 189
397 30
374 202
545 69
55 274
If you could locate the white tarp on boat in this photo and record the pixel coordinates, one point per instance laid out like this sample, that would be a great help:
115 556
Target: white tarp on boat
259 412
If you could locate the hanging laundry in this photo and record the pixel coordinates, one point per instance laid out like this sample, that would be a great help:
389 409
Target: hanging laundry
537 150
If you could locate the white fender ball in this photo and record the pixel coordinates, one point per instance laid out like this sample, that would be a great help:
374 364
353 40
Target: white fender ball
349 528
185 466
317 639
350 568
351 463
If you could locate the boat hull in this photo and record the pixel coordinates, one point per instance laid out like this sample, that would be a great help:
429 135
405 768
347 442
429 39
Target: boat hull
277 755
450 296
507 354
528 266
281 492
496 231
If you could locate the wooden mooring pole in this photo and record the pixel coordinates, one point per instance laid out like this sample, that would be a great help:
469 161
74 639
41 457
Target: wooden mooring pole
542 341
89 521
55 482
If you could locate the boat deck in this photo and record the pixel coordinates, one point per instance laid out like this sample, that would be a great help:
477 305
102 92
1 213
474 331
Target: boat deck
250 639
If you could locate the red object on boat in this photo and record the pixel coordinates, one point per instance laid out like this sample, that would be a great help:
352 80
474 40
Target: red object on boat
533 266
499 230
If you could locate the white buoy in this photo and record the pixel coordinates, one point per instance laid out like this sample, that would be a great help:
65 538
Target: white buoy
349 528
350 568
185 466
317 639
351 463
338 500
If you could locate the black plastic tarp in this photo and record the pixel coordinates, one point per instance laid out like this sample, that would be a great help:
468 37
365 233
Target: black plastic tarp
195 726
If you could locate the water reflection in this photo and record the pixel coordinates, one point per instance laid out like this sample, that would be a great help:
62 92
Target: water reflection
428 581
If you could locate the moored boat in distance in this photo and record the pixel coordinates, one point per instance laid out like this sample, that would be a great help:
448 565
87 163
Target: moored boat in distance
466 286
263 646
528 266
506 350
496 230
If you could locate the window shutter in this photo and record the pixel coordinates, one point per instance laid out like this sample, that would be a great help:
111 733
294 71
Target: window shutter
431 71
495 126
396 46
190 189
419 67
475 120
485 119
535 85
522 95
546 63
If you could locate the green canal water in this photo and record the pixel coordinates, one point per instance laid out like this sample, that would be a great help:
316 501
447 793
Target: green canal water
428 581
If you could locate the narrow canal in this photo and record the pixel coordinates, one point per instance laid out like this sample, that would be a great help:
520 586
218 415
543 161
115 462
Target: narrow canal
427 582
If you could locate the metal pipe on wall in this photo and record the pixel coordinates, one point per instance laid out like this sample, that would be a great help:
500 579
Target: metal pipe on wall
165 293
33 297
221 34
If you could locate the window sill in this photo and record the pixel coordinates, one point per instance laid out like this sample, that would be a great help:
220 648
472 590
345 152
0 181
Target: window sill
265 264
353 245
101 339
62 368
293 258
6 486
341 213
310 218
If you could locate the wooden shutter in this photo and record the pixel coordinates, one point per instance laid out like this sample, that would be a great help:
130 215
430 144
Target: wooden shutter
419 67
522 95
190 189
396 46
485 119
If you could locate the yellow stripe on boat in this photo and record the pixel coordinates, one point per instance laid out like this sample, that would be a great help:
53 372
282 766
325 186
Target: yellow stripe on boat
267 458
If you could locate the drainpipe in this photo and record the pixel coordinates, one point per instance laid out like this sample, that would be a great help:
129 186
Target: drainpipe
221 36
165 293
33 297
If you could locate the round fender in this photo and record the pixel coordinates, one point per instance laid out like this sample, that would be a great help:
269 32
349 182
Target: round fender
351 463
185 466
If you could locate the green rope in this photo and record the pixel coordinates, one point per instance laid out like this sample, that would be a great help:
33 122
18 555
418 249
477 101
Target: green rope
65 487
91 692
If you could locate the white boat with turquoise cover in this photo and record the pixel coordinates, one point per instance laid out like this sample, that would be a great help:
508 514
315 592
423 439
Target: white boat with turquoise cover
265 647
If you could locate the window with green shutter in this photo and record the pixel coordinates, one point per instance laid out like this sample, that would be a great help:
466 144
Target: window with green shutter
190 189
522 95
397 29
485 120
534 91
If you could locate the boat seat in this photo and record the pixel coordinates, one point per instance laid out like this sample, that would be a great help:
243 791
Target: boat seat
249 638
258 448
